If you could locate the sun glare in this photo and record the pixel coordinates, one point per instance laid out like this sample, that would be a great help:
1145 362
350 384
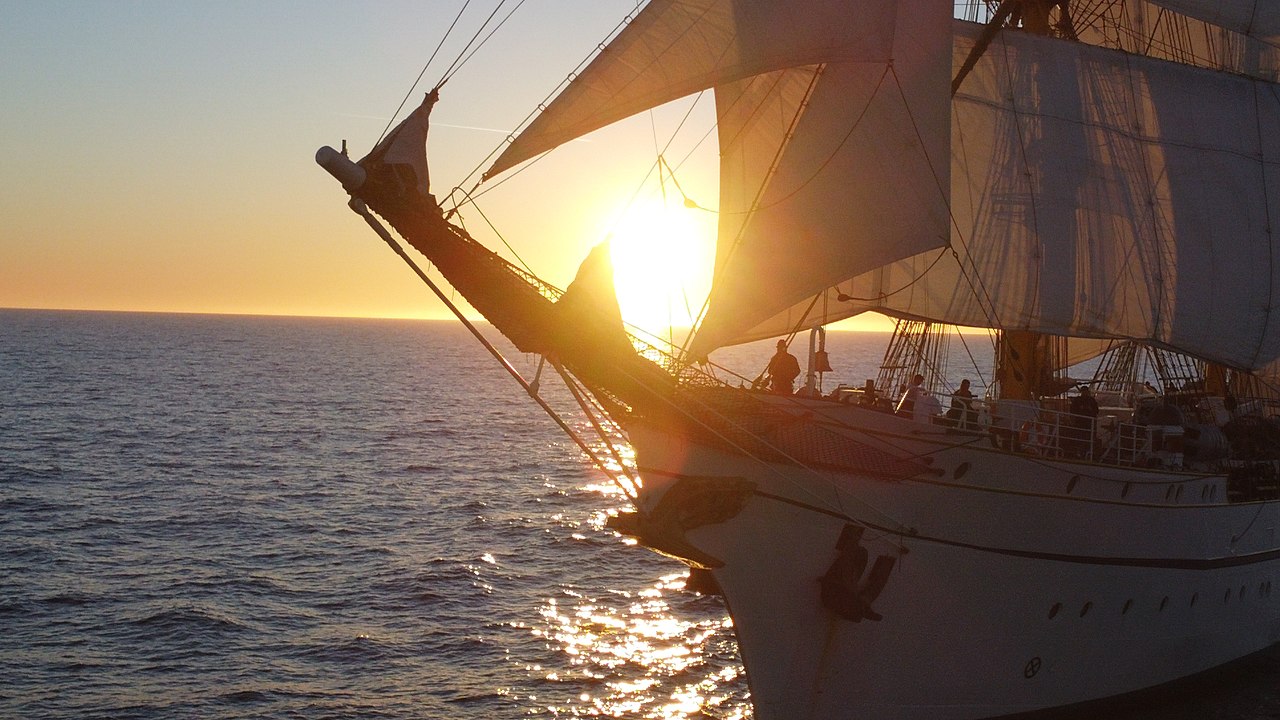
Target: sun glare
662 258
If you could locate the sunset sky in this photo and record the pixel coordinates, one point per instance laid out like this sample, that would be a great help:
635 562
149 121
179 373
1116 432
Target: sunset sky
159 155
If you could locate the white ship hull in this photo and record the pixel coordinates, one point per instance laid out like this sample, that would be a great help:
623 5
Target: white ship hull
1021 584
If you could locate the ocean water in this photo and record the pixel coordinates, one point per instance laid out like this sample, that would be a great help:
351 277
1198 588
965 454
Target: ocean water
230 517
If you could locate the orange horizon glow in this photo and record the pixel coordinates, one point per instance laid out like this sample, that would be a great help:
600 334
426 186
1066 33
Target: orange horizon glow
871 322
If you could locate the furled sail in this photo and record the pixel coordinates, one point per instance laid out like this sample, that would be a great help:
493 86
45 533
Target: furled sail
674 48
1100 194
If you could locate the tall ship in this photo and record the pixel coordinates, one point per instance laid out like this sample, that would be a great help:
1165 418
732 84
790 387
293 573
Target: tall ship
1080 179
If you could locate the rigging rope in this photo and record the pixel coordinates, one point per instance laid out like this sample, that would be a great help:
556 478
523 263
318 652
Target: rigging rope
396 114
541 106
461 61
363 211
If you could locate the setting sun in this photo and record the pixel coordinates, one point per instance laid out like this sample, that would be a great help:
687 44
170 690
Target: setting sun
662 259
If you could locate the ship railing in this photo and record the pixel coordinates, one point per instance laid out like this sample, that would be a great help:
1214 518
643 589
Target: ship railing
688 375
1157 435
1146 445
1025 426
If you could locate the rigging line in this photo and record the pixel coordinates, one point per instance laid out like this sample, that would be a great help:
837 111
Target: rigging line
1247 528
458 60
363 211
981 292
554 91
492 227
1266 209
653 129
945 194
680 126
722 259
600 432
794 330
495 29
830 157
525 166
764 442
972 360
395 114
611 428
942 252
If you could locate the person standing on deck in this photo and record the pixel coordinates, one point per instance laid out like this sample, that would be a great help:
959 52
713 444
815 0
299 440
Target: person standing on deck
962 412
783 370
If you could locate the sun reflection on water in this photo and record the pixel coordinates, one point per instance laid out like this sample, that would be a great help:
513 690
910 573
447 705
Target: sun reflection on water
646 660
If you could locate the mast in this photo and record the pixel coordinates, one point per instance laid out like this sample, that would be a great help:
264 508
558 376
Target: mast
1026 360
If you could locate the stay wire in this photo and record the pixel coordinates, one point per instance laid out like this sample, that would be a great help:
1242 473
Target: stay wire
471 201
543 105
461 61
424 72
755 207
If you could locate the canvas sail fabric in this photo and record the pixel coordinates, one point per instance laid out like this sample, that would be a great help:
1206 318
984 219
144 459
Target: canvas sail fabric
861 179
674 48
1100 194
1093 193
1234 37
1259 18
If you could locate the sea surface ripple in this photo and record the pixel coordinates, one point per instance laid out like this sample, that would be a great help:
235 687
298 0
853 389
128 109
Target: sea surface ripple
227 517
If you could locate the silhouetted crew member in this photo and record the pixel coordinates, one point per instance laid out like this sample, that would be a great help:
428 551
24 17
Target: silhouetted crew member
1084 411
962 412
783 370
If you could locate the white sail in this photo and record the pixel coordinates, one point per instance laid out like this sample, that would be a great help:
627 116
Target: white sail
1106 195
1221 36
1089 192
826 173
674 48
1258 18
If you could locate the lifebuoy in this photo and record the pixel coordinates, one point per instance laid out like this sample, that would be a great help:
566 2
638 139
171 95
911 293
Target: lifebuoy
1035 435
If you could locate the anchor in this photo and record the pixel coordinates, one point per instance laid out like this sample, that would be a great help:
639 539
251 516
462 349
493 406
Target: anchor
844 592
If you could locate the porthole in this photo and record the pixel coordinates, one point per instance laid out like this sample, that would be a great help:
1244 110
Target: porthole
1194 597
1127 604
1071 484
1124 492
1204 493
961 470
1178 495
1242 589
1053 611
1085 610
1164 603
1227 596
